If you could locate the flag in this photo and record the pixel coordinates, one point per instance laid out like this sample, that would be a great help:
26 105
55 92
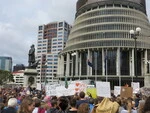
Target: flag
66 82
89 63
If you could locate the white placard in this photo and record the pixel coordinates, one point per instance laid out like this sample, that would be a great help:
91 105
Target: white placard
103 89
62 91
38 86
135 86
51 89
117 90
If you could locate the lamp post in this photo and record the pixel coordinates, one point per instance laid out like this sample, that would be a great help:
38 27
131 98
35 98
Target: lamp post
73 64
134 35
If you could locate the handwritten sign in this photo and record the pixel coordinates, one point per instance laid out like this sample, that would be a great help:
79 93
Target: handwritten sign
135 86
117 90
103 89
38 86
51 89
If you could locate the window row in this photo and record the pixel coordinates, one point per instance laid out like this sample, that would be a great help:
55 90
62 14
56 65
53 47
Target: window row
110 19
111 12
104 27
108 43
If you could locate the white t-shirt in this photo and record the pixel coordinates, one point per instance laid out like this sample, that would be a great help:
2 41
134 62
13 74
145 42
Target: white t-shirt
132 111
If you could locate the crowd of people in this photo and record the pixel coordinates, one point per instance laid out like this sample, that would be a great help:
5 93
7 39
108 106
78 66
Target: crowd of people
16 100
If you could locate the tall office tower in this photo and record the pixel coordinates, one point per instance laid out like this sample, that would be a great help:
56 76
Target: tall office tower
100 46
52 39
5 63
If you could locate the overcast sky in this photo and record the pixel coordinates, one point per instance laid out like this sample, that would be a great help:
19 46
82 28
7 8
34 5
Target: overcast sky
19 20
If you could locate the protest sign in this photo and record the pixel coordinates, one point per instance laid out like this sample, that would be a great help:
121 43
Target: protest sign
38 86
103 89
51 89
91 91
117 90
135 86
126 92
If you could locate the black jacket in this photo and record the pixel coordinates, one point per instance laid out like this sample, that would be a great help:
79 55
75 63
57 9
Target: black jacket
9 110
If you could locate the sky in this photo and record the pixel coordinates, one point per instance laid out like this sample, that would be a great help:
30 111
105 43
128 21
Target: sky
19 21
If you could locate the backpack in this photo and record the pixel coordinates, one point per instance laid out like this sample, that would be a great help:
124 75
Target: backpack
41 110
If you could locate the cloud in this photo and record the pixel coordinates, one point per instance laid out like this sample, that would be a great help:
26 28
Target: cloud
19 21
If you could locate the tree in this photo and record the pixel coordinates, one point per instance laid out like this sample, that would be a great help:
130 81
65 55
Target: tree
5 76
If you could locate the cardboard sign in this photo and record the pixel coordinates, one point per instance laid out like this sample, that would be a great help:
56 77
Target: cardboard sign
126 92
103 89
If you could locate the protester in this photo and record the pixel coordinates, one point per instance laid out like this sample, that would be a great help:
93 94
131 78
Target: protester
128 108
27 105
53 109
12 103
83 108
91 104
82 99
63 104
73 108
38 108
146 108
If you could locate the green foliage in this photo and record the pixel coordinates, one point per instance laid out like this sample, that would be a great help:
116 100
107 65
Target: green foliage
5 76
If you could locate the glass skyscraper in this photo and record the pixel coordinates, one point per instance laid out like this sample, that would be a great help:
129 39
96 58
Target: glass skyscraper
6 63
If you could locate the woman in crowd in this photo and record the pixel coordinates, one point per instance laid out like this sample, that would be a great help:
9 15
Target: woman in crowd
128 108
63 104
146 108
27 105
73 108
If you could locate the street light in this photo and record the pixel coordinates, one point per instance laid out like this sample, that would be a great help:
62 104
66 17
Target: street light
134 35
73 64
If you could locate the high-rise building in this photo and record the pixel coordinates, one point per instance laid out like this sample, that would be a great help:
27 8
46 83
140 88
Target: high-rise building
52 39
100 46
6 63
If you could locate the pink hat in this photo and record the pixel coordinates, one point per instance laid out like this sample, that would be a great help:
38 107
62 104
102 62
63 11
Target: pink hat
47 98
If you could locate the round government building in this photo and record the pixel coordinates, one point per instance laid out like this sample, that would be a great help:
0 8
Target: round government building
109 41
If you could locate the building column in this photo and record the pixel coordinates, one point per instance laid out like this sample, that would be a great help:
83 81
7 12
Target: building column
145 62
130 63
118 62
68 64
133 68
103 62
80 62
59 66
77 64
62 65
